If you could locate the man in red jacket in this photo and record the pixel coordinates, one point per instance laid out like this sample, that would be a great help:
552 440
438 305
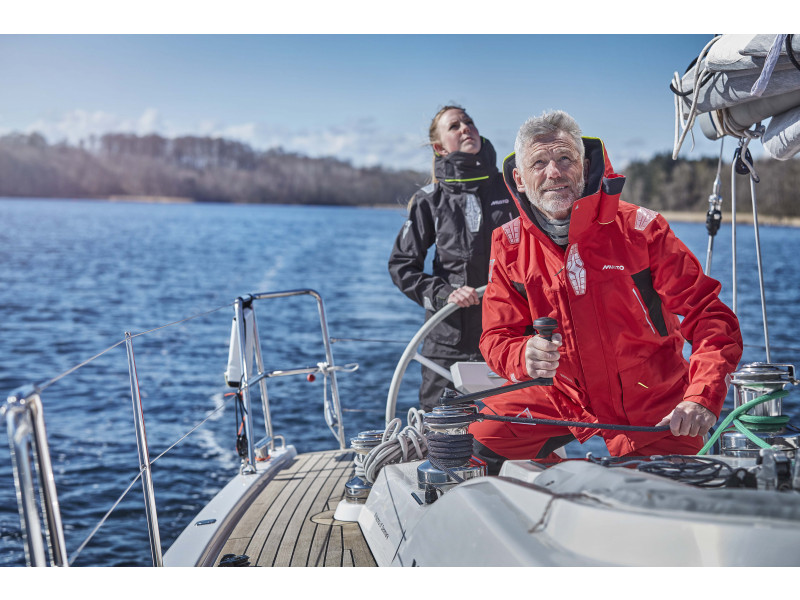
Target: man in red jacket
615 277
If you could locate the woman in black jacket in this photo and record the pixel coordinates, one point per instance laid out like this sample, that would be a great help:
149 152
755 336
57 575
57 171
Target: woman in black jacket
457 213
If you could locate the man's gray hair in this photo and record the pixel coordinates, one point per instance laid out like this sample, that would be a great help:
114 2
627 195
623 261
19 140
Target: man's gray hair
548 123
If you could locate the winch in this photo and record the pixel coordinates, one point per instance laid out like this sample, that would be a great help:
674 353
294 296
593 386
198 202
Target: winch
450 458
357 489
763 425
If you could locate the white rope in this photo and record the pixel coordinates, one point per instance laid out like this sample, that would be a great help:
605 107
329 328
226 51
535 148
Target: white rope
325 368
769 65
743 154
397 445
699 72
728 126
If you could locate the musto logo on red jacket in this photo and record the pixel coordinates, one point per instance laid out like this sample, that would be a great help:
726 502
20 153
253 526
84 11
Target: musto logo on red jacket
576 271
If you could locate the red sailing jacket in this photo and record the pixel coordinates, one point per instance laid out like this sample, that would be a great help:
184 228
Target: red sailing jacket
616 293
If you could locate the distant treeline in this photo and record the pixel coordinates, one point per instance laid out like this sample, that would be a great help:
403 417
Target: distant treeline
199 168
217 170
664 184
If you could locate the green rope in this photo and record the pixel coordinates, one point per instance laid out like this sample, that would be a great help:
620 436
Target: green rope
750 435
759 423
737 422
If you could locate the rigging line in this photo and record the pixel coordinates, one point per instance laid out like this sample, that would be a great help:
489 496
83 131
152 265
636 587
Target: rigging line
192 430
104 519
202 314
138 476
782 348
47 384
334 340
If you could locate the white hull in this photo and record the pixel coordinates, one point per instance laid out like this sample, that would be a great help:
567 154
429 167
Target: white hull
578 514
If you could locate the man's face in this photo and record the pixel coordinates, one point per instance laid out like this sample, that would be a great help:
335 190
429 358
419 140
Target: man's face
551 175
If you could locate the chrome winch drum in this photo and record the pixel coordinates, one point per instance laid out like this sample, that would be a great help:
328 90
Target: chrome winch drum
440 471
357 489
750 382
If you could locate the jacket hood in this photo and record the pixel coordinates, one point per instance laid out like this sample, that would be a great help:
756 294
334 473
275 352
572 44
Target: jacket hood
465 168
600 198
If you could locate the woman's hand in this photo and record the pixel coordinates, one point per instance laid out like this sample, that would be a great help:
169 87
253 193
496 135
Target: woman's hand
464 296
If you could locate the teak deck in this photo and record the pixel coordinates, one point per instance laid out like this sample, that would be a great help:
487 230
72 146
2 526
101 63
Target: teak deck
291 524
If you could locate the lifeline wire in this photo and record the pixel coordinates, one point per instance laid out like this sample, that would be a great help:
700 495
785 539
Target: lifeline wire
135 479
335 340
105 517
43 386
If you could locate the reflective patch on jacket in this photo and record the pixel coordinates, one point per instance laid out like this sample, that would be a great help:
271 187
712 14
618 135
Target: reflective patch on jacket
576 271
644 216
511 230
473 213
491 268
406 227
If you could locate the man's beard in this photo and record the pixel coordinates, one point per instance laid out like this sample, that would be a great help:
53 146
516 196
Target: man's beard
556 206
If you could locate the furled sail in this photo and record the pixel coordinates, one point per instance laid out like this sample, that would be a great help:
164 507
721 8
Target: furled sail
739 81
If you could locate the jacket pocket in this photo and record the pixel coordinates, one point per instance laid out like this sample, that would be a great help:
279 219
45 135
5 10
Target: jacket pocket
654 386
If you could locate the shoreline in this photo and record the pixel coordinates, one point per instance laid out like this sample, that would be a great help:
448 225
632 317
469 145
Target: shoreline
671 216
746 218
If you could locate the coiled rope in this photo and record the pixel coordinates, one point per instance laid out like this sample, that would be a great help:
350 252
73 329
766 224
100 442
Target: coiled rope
397 445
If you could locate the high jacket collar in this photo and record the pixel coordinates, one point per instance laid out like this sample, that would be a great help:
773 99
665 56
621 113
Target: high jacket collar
464 169
598 203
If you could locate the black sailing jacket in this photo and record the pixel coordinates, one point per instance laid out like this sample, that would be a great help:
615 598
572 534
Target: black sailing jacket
457 214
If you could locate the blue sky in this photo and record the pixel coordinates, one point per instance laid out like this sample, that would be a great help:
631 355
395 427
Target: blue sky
363 98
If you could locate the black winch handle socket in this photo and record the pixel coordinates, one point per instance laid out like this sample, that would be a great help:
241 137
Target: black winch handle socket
545 326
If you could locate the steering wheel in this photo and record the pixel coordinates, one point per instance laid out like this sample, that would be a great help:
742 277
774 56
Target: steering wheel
410 353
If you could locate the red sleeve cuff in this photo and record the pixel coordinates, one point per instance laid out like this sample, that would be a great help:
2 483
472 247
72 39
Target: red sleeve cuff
704 396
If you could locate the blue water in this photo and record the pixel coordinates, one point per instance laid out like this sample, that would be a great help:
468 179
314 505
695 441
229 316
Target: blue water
76 275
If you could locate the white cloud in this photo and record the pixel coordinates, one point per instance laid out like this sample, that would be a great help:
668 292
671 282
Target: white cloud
79 124
360 142
149 122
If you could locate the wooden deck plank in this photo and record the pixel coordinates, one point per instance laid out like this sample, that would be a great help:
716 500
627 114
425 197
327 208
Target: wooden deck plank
251 519
331 490
359 553
291 522
303 510
267 535
328 540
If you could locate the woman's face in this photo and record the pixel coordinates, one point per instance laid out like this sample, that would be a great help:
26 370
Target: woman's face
457 133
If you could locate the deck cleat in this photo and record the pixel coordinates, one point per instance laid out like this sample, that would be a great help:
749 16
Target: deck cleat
450 460
763 421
